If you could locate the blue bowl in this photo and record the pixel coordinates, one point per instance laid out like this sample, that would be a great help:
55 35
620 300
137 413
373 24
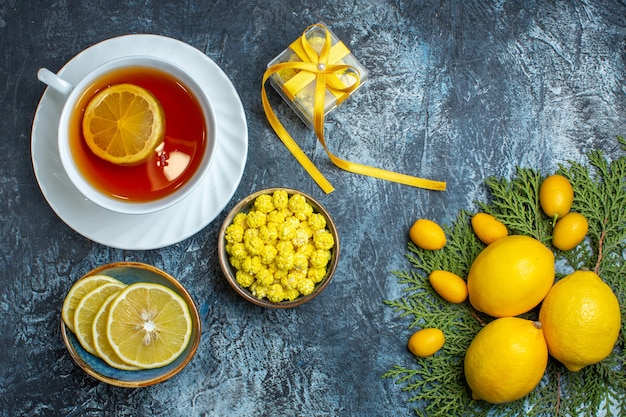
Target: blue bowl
128 273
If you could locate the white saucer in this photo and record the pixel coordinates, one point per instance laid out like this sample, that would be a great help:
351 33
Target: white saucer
168 226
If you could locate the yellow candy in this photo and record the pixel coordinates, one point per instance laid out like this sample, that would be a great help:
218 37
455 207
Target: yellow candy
281 248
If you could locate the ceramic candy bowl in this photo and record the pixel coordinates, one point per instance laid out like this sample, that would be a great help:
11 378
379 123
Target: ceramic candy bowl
278 248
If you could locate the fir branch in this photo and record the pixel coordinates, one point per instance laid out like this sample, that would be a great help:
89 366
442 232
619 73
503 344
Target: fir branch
516 204
437 383
461 248
601 198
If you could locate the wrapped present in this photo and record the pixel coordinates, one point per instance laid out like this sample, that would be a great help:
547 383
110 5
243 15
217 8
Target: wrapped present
314 75
297 87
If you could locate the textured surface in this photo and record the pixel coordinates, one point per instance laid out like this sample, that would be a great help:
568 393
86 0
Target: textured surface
459 91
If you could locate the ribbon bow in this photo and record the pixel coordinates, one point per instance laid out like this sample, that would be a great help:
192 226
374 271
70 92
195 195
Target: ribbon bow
324 68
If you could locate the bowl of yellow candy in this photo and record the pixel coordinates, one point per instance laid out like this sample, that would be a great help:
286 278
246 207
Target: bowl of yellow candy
130 324
278 248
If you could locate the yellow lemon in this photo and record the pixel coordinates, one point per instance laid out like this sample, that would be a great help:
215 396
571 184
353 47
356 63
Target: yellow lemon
556 196
149 325
123 124
87 309
569 231
427 234
426 342
101 342
488 228
581 320
77 292
449 286
506 360
510 276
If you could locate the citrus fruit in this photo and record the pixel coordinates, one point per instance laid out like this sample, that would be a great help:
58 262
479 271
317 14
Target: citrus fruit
556 196
101 342
149 325
581 320
510 276
449 286
506 360
87 309
427 234
123 124
426 342
569 231
77 292
488 228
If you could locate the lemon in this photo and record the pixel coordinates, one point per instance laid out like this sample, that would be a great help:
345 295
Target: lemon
77 292
556 196
506 360
87 309
569 231
488 228
149 325
426 342
510 276
101 342
123 124
581 320
427 234
449 286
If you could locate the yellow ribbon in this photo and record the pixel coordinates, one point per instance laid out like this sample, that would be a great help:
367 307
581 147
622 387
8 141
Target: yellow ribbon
322 67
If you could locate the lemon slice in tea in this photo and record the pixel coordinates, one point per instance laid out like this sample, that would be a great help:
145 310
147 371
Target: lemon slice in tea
77 292
101 341
123 124
149 325
87 309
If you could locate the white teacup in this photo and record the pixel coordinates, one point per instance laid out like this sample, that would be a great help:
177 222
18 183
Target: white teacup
67 122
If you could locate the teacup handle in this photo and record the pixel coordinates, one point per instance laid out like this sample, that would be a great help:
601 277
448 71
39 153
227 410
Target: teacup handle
54 81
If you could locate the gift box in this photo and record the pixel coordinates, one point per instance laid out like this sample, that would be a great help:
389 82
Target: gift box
314 75
296 84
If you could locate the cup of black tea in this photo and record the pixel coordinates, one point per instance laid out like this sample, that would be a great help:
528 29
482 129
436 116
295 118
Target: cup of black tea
111 112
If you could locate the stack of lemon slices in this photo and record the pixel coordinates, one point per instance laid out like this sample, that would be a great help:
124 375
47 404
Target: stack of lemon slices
130 327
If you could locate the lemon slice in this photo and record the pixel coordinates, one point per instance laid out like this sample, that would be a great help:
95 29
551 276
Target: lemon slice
149 325
87 309
123 124
101 342
77 292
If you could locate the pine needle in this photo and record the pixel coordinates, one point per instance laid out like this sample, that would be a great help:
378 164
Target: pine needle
436 383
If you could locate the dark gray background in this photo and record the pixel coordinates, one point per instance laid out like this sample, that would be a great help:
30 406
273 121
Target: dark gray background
459 91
